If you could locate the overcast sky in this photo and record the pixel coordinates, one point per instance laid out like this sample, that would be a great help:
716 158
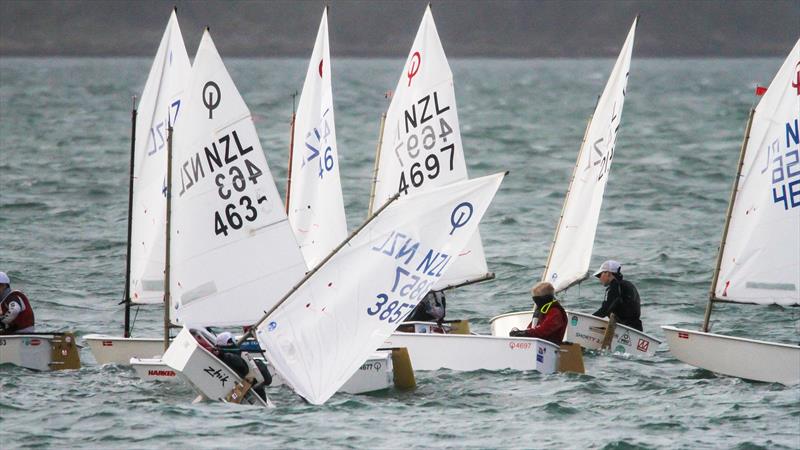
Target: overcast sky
533 28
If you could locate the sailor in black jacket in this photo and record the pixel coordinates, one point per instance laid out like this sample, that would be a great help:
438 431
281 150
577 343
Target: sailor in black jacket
622 298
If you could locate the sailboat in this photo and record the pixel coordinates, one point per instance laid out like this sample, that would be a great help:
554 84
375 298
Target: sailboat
571 250
420 145
420 148
160 105
314 202
759 254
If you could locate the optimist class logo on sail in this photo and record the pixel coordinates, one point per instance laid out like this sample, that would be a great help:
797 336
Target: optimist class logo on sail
227 160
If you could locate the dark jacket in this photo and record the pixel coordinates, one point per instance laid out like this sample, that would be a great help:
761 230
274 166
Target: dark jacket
622 299
551 326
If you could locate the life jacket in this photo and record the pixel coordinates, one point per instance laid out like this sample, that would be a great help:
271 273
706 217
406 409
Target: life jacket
25 317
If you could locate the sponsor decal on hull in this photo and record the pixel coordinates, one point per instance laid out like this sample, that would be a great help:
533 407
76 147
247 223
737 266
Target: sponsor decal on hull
160 373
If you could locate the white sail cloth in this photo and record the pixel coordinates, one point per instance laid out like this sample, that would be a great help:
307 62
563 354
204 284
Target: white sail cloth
233 252
325 330
572 250
761 258
315 203
159 105
421 146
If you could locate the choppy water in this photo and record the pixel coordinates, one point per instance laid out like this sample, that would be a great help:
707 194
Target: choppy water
64 142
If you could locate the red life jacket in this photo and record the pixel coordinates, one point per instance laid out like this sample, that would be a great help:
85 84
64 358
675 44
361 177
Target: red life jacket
24 318
552 324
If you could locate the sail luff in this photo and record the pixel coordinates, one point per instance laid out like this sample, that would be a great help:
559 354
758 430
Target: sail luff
168 225
377 165
725 228
126 296
291 155
567 197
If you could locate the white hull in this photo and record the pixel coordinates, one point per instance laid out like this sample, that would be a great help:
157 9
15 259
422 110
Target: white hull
374 375
30 351
39 351
119 350
468 352
737 357
209 376
206 373
153 369
586 330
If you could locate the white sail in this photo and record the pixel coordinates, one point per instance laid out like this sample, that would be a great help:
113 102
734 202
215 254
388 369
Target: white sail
315 203
320 336
572 250
233 251
421 145
160 104
761 258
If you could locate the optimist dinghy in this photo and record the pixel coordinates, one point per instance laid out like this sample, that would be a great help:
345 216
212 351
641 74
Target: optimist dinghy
759 255
571 251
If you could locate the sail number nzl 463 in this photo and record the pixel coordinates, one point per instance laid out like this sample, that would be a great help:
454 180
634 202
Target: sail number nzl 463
224 160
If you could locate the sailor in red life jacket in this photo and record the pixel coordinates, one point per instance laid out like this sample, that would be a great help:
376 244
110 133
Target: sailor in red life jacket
16 315
549 318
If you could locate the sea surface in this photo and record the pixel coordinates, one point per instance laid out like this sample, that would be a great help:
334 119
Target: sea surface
64 155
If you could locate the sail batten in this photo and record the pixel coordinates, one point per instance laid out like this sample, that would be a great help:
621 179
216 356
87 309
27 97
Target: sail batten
571 251
760 261
420 146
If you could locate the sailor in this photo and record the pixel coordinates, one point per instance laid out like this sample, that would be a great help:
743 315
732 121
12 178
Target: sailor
231 354
16 314
430 309
622 298
549 318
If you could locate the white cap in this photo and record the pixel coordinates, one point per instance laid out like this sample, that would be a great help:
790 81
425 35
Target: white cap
4 278
609 266
224 338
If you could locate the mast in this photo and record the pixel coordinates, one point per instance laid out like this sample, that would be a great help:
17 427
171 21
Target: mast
566 198
319 266
711 295
126 297
377 164
291 153
168 230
